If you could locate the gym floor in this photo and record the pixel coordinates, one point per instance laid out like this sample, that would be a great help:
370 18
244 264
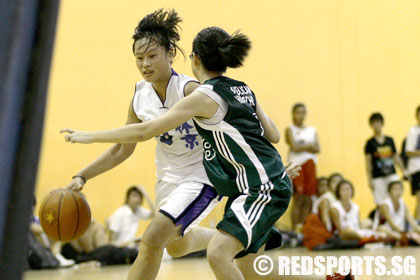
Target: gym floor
197 268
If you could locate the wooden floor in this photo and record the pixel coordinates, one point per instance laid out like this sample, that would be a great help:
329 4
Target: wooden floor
197 268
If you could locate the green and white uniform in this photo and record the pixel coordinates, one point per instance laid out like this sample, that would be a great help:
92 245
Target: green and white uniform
242 164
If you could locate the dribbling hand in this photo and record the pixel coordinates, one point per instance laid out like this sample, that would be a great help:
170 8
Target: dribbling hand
76 184
77 136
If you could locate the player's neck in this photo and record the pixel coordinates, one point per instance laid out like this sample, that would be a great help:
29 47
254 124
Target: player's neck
379 136
395 202
299 124
160 85
203 76
346 204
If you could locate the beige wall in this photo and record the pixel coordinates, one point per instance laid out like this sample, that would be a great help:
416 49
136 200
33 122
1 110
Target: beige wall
344 59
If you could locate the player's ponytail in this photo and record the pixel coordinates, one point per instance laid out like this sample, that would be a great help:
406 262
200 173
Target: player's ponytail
162 27
218 50
234 49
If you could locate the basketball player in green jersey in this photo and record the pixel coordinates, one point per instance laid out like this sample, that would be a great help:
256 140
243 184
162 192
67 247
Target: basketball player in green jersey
238 157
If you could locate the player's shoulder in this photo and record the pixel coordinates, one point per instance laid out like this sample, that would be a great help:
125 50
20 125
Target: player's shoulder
140 86
336 204
370 141
354 206
311 128
122 210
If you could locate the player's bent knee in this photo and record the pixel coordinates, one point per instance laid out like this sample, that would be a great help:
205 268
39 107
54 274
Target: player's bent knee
176 249
159 232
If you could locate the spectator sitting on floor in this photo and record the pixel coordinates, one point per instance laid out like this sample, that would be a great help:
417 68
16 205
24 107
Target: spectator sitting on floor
93 247
123 223
393 215
345 215
322 204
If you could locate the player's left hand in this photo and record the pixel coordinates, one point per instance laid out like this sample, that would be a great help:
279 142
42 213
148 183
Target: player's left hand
292 171
77 136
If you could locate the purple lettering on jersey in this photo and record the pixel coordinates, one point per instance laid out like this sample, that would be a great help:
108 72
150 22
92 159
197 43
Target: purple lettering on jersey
166 138
190 139
184 127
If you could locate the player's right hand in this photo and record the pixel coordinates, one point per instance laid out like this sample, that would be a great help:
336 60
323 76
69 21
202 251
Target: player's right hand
76 184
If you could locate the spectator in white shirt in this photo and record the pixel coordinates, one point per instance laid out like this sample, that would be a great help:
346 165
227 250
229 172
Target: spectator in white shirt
123 223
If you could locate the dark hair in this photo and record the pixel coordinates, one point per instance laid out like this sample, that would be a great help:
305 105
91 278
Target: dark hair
391 184
417 111
336 174
376 117
160 26
342 182
217 50
297 106
323 178
130 190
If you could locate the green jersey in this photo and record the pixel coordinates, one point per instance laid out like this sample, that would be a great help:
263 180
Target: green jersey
237 157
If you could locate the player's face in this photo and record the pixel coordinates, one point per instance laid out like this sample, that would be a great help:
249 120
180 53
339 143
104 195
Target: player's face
134 199
322 186
345 192
152 60
396 191
377 126
299 115
334 182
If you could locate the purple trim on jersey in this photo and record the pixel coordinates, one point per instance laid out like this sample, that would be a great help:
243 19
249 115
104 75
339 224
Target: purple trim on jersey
196 208
167 215
173 72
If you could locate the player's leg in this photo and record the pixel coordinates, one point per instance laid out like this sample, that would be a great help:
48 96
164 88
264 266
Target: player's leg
158 233
222 249
191 203
196 239
310 188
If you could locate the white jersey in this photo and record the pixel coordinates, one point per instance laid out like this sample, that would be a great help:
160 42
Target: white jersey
302 135
179 152
348 219
331 199
327 195
397 215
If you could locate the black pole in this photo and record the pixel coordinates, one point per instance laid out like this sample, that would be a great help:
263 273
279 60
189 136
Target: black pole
23 88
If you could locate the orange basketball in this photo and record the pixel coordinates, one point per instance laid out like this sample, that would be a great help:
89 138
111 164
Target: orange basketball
64 215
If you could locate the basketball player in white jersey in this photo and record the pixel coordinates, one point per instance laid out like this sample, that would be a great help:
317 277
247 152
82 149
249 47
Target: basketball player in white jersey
184 195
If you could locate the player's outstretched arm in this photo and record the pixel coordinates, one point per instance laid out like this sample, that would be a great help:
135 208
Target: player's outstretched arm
114 156
195 105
